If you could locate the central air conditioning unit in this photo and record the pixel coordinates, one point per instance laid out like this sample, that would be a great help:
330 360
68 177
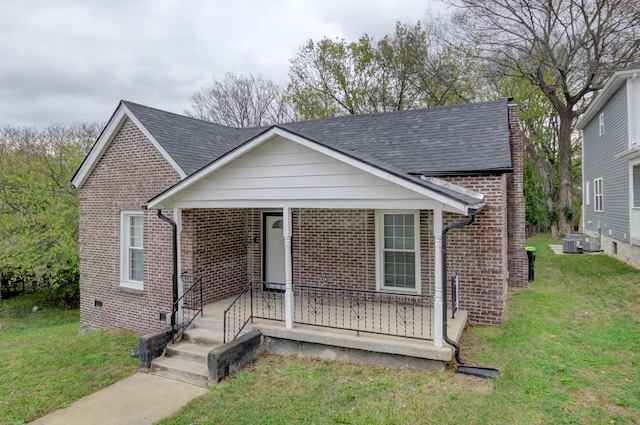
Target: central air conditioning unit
570 246
583 245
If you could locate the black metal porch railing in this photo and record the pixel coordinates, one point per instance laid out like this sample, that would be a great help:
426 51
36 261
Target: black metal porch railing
238 314
188 306
359 310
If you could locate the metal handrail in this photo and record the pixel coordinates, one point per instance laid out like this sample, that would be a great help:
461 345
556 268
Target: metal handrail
188 306
238 309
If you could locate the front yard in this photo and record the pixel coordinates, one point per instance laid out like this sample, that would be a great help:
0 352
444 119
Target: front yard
569 353
45 364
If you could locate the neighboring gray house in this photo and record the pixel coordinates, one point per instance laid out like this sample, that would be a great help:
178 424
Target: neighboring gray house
611 166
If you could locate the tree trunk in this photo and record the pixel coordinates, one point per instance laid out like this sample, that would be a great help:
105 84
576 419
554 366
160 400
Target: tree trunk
564 206
545 169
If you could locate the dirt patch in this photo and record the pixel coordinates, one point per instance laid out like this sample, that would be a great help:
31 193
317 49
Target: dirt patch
117 332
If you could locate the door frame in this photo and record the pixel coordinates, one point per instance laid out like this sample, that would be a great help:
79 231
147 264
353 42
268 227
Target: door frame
266 214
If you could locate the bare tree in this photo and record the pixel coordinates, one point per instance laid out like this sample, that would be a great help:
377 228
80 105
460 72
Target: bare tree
564 48
241 101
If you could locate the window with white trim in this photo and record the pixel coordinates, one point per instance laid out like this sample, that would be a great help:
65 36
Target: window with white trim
131 249
597 195
398 245
601 124
636 185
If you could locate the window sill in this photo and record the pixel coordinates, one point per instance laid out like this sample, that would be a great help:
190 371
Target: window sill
400 291
130 288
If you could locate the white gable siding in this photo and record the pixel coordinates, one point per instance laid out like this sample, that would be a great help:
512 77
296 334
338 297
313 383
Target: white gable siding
284 171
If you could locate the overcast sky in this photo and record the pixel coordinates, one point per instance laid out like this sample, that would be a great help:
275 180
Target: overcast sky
67 61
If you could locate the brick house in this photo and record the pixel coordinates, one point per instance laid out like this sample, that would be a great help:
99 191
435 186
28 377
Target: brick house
349 203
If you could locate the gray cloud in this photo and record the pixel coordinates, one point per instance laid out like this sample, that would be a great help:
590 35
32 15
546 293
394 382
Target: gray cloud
73 60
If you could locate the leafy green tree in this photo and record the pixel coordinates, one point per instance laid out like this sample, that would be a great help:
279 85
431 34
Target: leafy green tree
38 207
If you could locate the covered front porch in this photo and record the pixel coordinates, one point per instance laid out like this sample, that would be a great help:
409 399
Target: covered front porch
355 249
327 322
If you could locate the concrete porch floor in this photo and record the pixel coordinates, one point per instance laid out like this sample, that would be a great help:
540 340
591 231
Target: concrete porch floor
302 337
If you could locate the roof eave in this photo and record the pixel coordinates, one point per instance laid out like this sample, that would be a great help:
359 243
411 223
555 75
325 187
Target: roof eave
605 94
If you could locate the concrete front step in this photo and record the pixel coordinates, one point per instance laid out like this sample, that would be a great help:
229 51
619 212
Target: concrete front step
189 351
210 323
203 336
182 370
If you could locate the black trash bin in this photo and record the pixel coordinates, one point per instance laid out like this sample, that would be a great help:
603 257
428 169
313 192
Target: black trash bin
531 256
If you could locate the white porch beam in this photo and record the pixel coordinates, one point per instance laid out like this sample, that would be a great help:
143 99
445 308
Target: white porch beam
438 306
288 268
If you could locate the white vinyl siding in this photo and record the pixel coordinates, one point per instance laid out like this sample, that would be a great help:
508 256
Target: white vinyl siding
131 250
598 195
398 247
281 170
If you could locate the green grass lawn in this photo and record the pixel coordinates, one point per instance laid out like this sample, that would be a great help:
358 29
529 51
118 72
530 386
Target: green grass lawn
569 352
45 364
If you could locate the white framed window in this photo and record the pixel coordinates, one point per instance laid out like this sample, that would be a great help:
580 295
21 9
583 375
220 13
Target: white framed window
598 195
635 171
131 249
601 124
587 197
398 250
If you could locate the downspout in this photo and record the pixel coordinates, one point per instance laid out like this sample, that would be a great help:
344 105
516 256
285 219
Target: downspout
174 227
448 340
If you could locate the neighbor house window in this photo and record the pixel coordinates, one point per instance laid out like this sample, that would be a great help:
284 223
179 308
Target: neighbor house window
131 249
597 194
636 186
398 243
587 197
601 124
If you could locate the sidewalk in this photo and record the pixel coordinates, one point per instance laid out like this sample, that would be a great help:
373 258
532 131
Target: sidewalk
139 399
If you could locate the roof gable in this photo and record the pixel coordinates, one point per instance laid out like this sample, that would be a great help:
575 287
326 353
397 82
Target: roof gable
121 114
609 89
279 165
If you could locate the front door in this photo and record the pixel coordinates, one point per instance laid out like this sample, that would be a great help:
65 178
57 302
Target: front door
273 250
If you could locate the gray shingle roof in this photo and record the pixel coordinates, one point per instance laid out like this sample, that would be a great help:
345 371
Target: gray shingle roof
449 140
453 139
192 143
436 141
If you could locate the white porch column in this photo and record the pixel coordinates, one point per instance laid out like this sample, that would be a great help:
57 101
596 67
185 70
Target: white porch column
288 268
438 306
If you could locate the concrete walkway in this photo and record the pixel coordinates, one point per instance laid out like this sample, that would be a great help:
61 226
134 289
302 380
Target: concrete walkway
139 399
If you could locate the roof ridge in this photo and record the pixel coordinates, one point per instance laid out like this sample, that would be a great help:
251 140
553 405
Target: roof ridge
128 102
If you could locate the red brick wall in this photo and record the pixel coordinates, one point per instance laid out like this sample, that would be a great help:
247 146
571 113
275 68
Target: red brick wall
478 253
214 247
518 274
334 248
339 245
130 173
